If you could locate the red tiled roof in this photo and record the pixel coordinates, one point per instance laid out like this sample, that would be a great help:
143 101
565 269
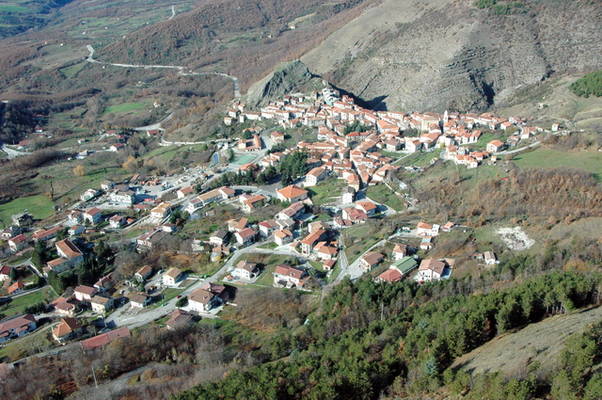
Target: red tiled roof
390 275
68 248
105 338
15 286
85 290
289 271
292 192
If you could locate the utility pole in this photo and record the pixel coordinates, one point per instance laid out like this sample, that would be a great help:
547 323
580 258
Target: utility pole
94 375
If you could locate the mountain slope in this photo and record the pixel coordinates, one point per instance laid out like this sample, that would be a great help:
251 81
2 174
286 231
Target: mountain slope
20 15
449 54
541 342
244 38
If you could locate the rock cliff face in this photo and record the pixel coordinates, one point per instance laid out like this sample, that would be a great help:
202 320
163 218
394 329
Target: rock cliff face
290 77
447 54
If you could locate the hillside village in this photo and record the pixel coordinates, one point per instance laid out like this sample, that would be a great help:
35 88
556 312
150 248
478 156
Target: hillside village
354 149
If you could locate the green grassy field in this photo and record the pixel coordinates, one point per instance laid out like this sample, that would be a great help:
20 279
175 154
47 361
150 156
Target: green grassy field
124 108
358 239
589 161
382 194
326 191
39 206
68 186
419 159
19 304
71 71
168 153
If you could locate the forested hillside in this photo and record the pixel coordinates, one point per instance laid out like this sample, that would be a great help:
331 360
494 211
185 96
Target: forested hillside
371 340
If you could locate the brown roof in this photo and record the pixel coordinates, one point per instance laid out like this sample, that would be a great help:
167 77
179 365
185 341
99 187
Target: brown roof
93 211
293 209
283 233
64 306
178 318
100 300
247 233
247 266
432 264
424 225
201 296
400 248
47 232
312 238
366 205
145 271
139 298
57 261
373 258
5 270
173 272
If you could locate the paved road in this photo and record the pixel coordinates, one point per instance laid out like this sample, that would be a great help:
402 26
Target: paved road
503 153
12 153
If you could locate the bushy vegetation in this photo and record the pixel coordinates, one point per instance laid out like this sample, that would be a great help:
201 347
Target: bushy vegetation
559 193
293 166
501 7
589 85
95 264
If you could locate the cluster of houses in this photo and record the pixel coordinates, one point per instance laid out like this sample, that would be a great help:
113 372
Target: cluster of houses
99 298
388 131
428 232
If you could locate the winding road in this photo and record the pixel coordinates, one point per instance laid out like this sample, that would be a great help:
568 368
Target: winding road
183 71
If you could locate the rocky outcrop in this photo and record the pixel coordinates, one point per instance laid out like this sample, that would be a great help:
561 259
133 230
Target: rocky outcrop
290 77
447 54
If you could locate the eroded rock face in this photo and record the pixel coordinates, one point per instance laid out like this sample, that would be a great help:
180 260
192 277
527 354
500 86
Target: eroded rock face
446 54
288 78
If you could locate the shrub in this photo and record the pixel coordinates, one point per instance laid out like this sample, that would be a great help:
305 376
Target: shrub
183 302
589 85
